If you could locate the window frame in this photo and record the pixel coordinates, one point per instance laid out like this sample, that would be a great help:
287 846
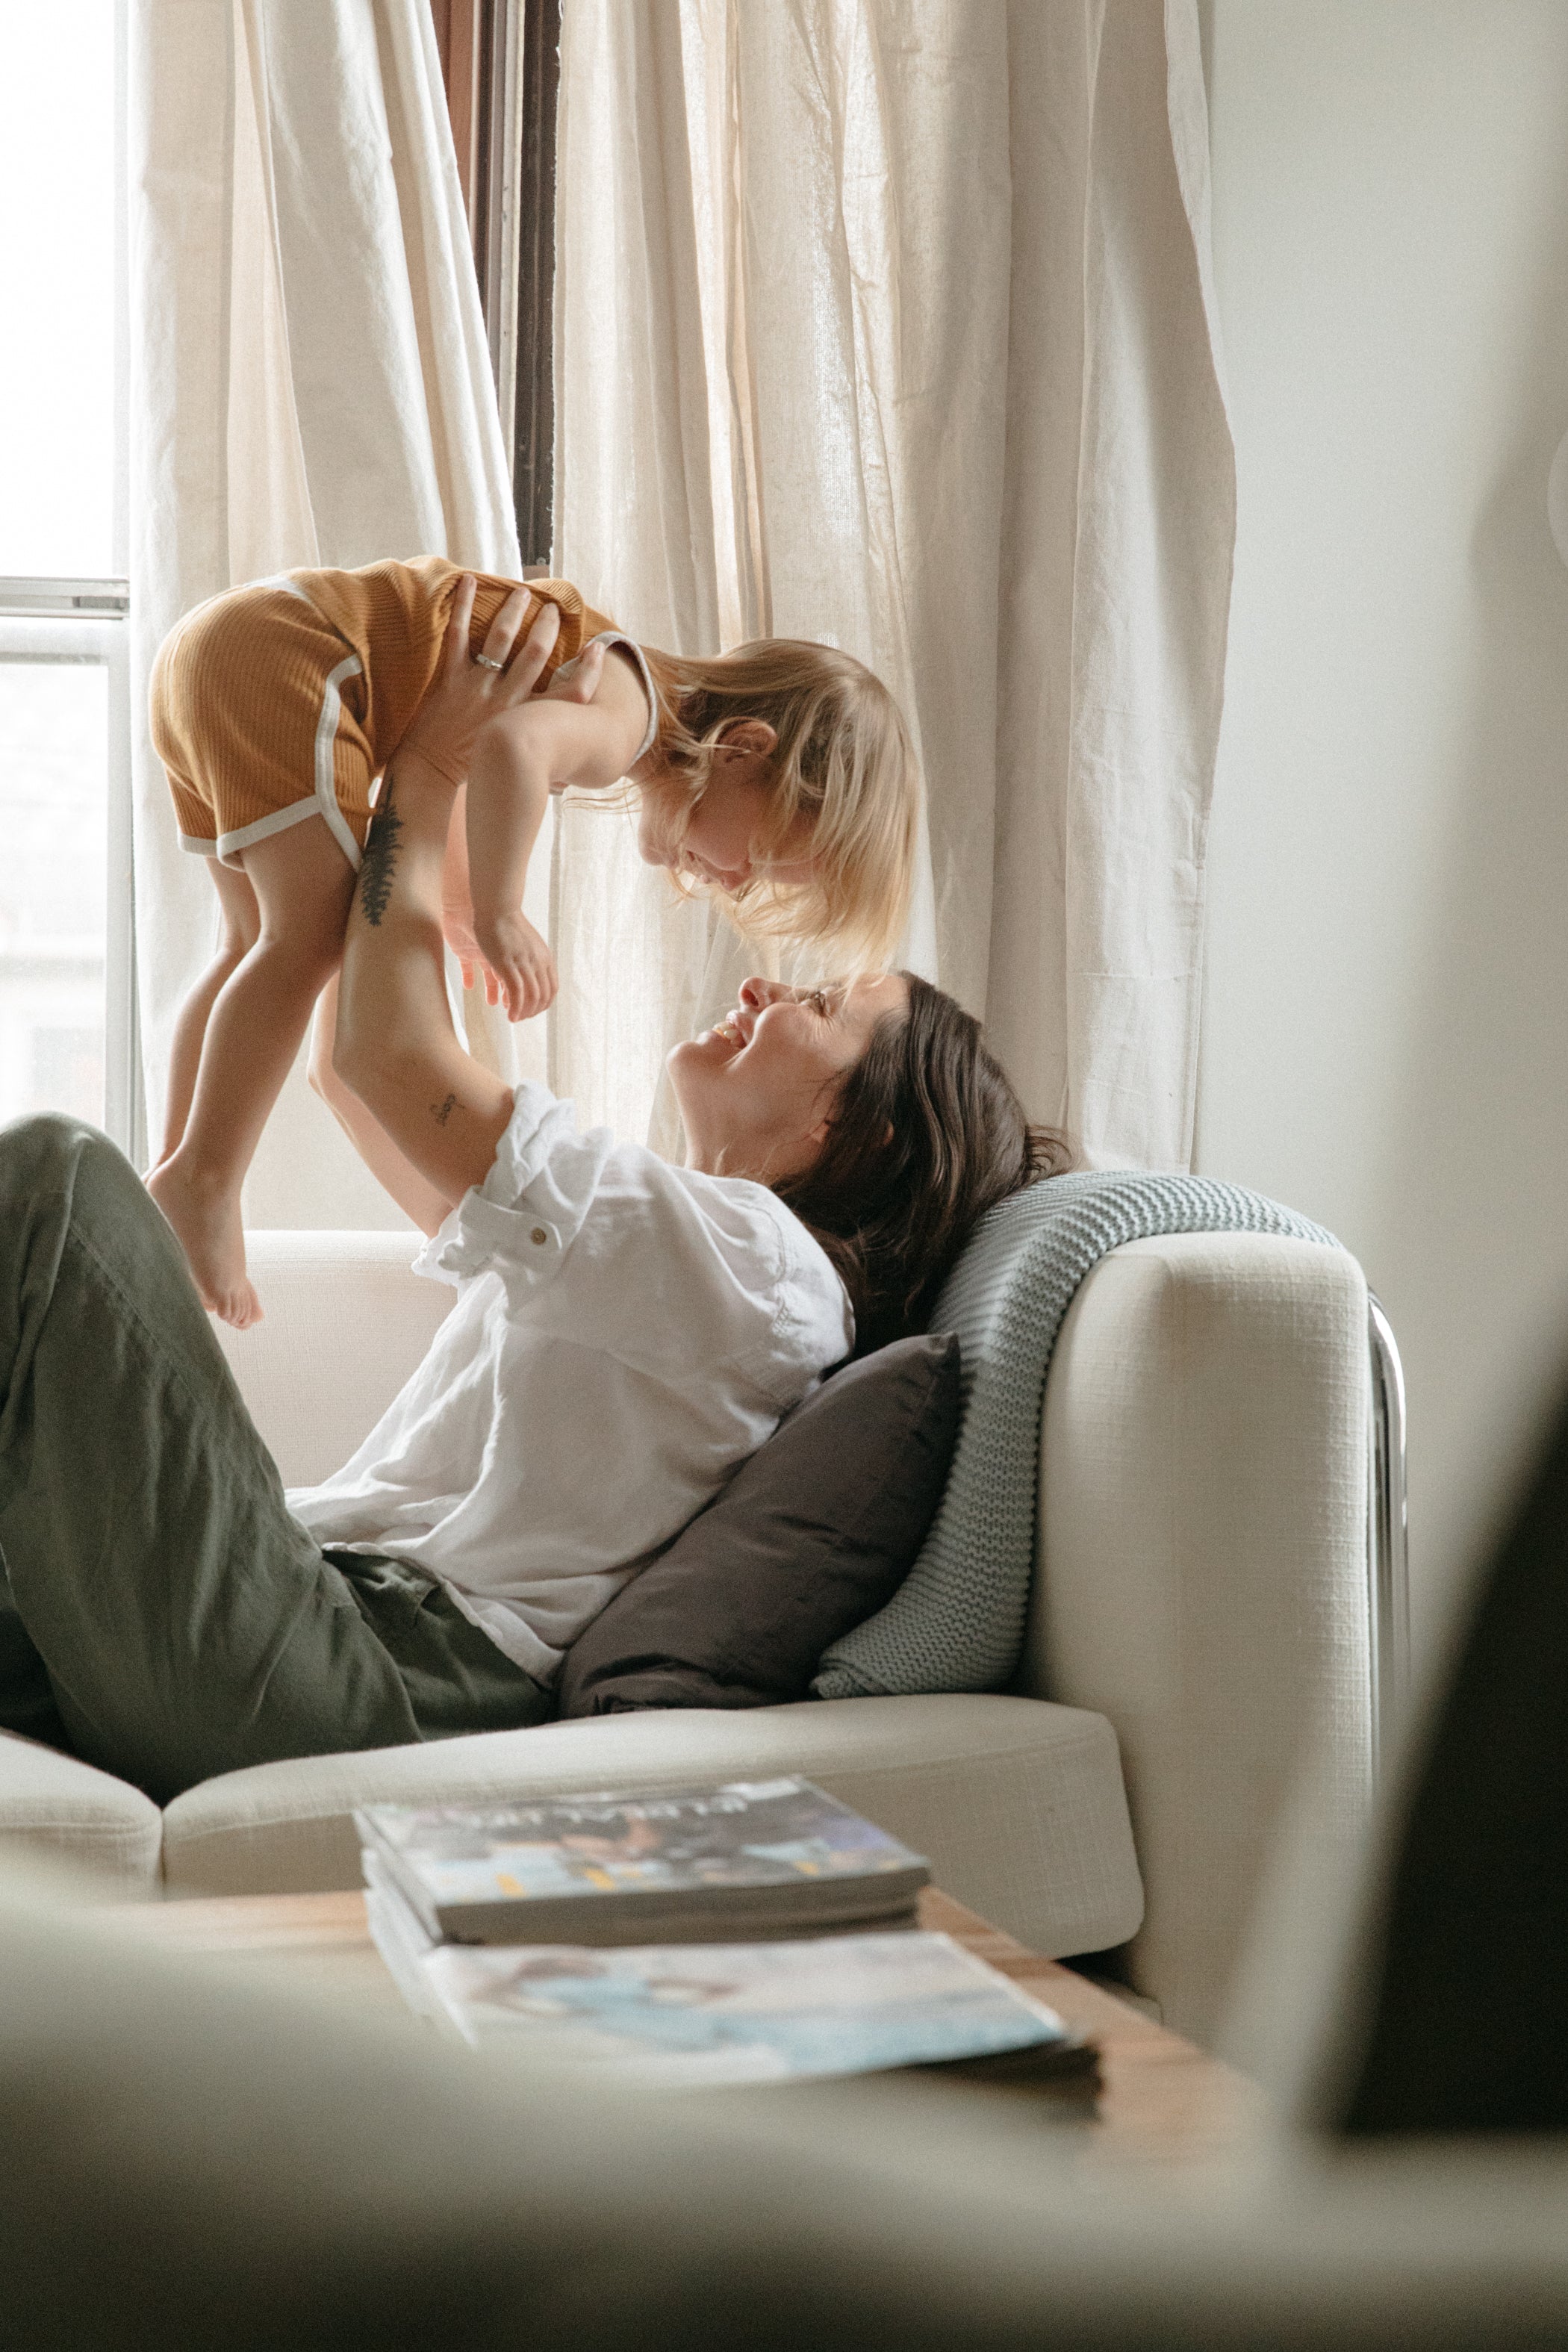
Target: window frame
100 640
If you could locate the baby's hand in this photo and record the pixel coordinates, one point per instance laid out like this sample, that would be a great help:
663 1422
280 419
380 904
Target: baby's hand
522 962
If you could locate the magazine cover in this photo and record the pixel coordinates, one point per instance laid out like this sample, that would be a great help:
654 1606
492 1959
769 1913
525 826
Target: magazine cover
691 2014
747 1834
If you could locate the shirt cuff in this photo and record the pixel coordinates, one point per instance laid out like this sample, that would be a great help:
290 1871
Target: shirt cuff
521 1220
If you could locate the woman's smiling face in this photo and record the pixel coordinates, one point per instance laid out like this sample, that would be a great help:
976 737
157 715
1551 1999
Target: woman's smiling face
756 1091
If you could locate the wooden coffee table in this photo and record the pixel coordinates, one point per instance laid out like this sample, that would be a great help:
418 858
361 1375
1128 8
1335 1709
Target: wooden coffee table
1163 2100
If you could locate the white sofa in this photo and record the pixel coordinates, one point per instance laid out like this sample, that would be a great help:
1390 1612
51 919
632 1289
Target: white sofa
1200 1614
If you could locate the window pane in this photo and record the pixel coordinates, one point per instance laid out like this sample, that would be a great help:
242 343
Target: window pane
57 287
54 745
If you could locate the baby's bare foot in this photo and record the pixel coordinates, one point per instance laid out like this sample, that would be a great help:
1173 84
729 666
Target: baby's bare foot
206 1220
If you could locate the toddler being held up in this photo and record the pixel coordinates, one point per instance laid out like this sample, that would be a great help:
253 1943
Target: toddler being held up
778 776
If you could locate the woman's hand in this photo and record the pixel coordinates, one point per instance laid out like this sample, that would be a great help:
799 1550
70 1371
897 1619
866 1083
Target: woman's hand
464 696
520 964
465 693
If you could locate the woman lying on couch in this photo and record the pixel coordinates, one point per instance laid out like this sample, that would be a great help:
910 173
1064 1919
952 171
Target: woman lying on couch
626 1334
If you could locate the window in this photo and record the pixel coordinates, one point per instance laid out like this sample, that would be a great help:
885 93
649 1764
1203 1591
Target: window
66 1029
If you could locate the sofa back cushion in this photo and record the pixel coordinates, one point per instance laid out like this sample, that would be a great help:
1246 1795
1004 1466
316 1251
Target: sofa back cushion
345 1322
811 1536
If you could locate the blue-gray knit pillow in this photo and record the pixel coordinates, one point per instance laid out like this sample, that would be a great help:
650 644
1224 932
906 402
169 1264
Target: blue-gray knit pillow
956 1623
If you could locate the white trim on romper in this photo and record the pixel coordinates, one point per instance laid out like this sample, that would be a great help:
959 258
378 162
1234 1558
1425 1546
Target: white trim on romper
324 802
326 736
619 637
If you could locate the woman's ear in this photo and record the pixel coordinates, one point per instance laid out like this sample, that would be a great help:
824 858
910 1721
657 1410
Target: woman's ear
753 735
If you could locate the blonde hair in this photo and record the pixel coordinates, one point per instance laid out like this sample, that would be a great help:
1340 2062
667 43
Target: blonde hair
843 759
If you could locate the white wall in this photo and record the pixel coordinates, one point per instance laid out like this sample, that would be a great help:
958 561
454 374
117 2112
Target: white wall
1386 1026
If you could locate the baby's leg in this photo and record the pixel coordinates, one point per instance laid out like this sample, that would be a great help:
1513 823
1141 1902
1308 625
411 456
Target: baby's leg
241 928
303 886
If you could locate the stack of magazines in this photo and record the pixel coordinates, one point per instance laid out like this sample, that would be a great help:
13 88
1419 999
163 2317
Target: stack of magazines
751 1858
574 1932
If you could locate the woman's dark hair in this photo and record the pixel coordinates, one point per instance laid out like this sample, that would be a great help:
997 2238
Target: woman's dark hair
926 1135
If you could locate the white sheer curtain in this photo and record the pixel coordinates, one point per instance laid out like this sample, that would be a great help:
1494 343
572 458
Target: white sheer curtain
886 322
311 384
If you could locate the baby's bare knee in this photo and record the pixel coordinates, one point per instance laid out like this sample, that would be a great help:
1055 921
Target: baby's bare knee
233 946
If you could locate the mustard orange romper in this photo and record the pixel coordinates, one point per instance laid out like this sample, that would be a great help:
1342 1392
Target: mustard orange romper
287 698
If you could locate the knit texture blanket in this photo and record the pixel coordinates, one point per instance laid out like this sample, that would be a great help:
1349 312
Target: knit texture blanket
956 1623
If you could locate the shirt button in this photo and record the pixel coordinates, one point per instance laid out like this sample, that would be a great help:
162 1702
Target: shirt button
538 1237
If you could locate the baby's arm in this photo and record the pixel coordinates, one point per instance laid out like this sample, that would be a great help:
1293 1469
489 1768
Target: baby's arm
456 900
525 753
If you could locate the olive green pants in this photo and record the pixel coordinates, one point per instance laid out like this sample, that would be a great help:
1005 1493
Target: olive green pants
162 1615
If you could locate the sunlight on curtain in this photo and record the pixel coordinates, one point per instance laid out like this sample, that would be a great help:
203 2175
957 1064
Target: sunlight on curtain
311 383
884 323
729 461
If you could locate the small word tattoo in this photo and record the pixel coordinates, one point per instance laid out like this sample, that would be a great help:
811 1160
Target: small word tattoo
443 1112
379 863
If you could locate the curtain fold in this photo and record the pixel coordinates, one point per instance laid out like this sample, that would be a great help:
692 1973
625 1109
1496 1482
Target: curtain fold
309 384
887 323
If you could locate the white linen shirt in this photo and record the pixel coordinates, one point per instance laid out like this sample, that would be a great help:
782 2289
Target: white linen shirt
626 1334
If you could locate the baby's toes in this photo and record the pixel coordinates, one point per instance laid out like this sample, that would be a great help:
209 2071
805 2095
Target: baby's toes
238 1306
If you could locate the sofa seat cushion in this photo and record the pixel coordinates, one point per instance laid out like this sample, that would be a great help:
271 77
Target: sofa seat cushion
54 1803
1017 1804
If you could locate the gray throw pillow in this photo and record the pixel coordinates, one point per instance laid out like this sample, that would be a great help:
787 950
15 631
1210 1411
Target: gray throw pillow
810 1536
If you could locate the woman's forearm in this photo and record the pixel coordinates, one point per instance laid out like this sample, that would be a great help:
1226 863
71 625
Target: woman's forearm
395 1045
395 1175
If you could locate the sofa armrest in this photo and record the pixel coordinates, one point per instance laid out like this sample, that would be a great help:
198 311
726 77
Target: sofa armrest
1201 1578
344 1323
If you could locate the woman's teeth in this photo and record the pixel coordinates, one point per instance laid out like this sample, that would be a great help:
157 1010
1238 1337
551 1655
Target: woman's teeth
729 1032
